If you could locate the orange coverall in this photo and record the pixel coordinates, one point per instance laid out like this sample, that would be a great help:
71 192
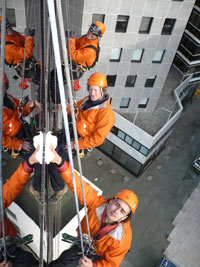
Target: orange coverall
12 124
14 53
94 124
11 190
112 246
81 54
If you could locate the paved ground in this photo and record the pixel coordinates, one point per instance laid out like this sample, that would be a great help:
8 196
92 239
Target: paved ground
162 189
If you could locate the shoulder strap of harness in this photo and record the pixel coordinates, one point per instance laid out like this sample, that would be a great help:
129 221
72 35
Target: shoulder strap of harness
7 43
97 49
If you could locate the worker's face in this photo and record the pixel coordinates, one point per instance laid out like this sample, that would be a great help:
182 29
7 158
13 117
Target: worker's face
9 31
91 36
117 210
95 92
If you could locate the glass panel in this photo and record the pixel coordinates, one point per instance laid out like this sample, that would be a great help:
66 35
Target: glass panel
145 25
111 80
137 55
130 81
168 26
107 147
124 102
136 145
143 103
144 150
128 140
115 54
121 135
150 81
158 56
122 22
98 17
10 15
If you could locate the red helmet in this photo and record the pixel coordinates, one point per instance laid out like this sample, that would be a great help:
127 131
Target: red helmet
129 197
97 28
98 79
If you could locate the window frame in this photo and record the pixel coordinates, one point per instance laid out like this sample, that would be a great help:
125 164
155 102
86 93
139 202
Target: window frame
129 84
149 78
141 55
143 105
98 19
119 27
161 59
166 32
120 53
129 100
114 77
149 25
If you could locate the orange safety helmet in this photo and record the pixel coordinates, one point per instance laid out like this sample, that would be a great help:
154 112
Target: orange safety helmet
97 28
129 197
98 79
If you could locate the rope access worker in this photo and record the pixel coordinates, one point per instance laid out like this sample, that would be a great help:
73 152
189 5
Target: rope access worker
108 222
15 49
11 189
95 116
13 132
85 49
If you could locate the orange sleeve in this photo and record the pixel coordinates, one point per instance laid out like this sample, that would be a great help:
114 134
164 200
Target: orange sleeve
15 53
103 124
92 200
83 54
12 142
14 185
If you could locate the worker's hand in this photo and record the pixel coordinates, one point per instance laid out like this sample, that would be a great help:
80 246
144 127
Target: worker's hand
85 262
31 103
27 146
57 159
32 159
4 264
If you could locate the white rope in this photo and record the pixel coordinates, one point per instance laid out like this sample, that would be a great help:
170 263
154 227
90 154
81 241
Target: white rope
53 25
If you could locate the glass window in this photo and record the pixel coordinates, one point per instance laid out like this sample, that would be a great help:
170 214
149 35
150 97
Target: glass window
130 81
158 56
136 145
115 54
145 25
107 147
98 17
122 22
168 26
111 80
125 102
128 140
143 103
144 150
137 55
10 15
121 134
150 81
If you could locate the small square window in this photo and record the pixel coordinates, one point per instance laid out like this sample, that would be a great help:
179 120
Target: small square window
111 80
122 22
130 81
168 26
125 102
115 54
121 135
150 81
128 140
145 25
137 55
10 15
136 145
98 17
143 103
158 56
144 150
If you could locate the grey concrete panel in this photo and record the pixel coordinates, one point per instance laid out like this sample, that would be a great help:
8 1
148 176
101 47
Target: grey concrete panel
88 6
185 10
126 55
144 69
100 6
168 57
155 92
123 68
174 9
113 68
112 7
174 42
138 8
128 91
19 4
102 67
120 80
130 40
159 82
163 42
146 92
118 39
148 56
141 41
134 67
107 39
140 80
110 22
104 54
150 7
137 92
118 91
179 27
20 18
157 25
162 9
152 41
164 69
154 69
125 7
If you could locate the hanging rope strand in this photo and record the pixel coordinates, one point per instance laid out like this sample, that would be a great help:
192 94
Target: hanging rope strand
60 20
51 9
3 36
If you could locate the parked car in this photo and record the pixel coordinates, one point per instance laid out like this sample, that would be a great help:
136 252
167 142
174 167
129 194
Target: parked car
196 163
